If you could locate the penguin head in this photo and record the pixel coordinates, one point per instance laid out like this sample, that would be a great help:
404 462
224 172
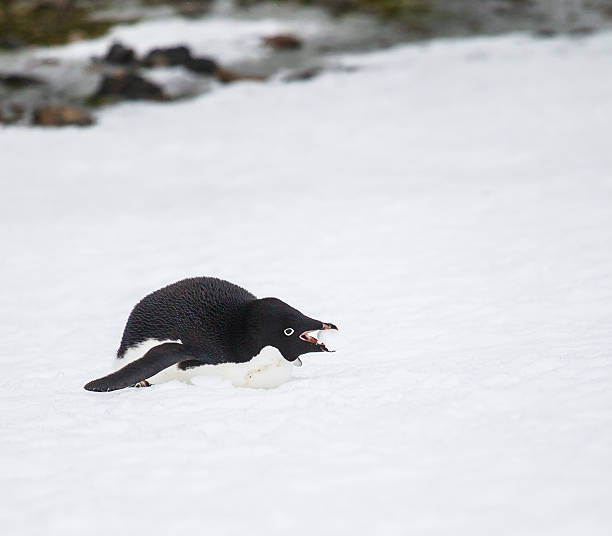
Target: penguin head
277 324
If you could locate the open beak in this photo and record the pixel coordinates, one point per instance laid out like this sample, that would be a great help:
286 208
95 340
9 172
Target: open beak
311 337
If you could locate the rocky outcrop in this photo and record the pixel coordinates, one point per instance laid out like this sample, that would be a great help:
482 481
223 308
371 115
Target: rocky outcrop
303 74
202 65
119 55
283 41
61 116
228 76
123 85
181 55
165 57
19 81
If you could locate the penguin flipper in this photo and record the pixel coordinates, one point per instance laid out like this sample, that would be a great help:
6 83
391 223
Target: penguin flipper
192 363
155 360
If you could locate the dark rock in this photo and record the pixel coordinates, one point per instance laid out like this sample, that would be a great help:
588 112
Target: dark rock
311 72
19 81
202 65
61 116
120 55
283 41
165 57
304 74
129 86
173 56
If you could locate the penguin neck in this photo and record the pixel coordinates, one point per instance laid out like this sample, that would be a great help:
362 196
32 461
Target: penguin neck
250 331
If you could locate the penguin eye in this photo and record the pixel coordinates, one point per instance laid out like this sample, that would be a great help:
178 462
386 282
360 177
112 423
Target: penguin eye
288 332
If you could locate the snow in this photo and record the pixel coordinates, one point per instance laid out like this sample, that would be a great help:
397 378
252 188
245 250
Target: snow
448 206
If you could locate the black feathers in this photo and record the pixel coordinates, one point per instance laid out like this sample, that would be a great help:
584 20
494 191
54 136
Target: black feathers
200 312
156 359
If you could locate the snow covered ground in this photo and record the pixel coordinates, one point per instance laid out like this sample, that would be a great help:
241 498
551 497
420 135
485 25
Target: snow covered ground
448 206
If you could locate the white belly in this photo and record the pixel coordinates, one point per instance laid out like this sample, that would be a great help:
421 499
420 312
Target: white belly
266 370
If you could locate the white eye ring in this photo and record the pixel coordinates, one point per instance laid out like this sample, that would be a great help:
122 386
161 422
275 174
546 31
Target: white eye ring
288 332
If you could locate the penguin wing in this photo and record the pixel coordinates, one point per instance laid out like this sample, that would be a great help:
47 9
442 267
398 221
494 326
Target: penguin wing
155 360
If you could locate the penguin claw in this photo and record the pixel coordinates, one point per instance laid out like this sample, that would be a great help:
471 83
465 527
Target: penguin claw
143 383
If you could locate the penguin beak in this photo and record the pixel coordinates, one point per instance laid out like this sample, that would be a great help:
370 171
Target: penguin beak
311 336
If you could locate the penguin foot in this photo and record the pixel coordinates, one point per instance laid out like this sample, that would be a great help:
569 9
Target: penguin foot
143 383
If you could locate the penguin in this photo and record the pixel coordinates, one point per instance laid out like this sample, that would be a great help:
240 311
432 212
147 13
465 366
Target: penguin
208 326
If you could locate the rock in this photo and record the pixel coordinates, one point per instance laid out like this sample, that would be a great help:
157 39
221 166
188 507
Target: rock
304 74
61 116
19 81
283 41
311 72
119 55
129 86
165 57
202 65
227 76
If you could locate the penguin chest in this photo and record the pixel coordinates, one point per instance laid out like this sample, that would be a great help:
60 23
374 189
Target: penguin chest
266 370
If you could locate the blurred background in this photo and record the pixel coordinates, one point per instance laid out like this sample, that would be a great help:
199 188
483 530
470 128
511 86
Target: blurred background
291 40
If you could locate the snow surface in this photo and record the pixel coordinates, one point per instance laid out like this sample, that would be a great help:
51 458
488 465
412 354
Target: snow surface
448 206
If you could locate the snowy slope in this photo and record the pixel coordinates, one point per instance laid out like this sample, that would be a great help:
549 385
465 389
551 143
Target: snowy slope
448 206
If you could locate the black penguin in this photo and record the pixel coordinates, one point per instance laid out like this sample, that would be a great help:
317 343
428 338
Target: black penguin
213 322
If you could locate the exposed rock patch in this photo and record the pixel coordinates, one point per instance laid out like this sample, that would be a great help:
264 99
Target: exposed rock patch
19 81
165 57
180 55
62 116
283 41
228 76
303 74
123 85
119 55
